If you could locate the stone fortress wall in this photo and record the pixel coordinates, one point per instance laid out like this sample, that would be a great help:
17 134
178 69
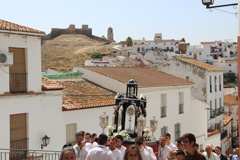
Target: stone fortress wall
55 32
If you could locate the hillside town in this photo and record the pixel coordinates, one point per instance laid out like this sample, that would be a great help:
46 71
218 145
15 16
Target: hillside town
95 98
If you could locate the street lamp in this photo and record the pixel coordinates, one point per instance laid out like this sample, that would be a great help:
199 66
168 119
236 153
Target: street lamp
45 141
207 3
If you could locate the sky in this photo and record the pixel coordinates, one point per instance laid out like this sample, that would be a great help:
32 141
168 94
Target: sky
175 19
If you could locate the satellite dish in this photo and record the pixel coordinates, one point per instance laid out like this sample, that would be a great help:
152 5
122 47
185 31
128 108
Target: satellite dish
3 58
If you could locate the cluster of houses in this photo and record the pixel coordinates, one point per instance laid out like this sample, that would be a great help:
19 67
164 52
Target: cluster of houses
183 94
151 53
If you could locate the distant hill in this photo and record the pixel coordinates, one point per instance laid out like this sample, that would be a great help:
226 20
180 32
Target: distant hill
66 51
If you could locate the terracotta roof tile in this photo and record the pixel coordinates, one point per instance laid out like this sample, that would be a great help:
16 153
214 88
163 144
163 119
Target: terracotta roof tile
145 76
199 64
49 84
230 99
83 94
9 26
227 119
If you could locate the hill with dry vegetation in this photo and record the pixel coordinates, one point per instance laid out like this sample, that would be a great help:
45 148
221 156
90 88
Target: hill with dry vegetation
66 51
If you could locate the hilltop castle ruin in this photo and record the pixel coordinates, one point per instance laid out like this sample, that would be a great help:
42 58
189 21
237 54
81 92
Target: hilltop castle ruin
55 32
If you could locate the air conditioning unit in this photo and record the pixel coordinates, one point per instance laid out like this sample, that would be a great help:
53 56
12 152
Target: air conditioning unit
6 59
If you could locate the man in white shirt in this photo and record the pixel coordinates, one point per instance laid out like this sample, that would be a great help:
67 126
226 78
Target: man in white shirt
112 146
168 142
163 150
236 155
152 155
209 154
139 143
80 150
100 152
88 142
119 145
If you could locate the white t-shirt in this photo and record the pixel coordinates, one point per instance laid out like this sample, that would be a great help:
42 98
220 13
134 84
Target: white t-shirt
80 154
100 153
151 153
145 155
163 153
172 147
122 150
116 154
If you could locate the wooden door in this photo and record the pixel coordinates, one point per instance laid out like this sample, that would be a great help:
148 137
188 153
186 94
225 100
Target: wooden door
18 71
18 135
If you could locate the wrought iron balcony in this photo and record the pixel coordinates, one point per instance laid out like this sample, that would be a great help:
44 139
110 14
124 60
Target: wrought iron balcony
218 111
212 113
222 109
19 144
18 82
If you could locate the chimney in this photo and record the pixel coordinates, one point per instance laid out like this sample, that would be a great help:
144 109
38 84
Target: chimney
195 56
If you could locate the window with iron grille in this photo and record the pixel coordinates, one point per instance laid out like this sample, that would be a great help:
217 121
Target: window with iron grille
181 104
164 130
163 105
70 133
220 83
210 82
215 83
177 130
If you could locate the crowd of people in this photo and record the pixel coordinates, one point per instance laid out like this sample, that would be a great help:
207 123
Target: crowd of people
90 147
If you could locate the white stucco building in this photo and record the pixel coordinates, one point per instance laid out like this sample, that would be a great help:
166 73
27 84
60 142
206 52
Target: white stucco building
32 106
168 99
231 109
229 64
200 52
208 84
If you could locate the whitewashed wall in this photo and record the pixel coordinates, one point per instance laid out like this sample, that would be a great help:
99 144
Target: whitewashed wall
45 117
173 117
32 47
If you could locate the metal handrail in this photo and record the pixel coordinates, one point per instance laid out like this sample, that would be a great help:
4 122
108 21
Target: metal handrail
26 154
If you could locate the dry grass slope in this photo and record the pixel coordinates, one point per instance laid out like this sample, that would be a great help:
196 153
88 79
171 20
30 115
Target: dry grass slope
66 51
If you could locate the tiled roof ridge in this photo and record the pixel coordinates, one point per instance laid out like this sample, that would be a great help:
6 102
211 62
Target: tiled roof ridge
183 59
150 68
88 105
6 25
51 84
227 119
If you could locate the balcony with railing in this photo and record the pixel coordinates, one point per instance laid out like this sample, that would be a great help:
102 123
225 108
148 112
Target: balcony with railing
24 154
222 110
19 144
18 82
212 113
218 111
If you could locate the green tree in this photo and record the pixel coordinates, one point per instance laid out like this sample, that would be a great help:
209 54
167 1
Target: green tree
96 55
230 77
129 41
